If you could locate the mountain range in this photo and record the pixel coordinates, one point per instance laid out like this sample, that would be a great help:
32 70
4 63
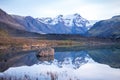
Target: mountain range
71 24
16 25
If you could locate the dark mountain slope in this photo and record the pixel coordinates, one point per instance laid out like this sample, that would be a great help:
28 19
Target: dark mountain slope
106 28
31 24
7 29
34 25
6 18
10 27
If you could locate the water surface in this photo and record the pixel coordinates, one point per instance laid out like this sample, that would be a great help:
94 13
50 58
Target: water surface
67 64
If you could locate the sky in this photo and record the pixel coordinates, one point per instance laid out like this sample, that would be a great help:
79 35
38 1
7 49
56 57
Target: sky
89 9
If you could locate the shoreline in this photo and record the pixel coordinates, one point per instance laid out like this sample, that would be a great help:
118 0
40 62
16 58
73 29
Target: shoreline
16 44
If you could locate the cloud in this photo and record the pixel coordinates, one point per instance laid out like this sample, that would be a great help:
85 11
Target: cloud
90 9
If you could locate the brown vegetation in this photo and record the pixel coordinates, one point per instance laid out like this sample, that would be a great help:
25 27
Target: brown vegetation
21 43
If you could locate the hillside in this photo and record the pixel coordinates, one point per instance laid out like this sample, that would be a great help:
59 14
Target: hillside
8 29
106 28
7 19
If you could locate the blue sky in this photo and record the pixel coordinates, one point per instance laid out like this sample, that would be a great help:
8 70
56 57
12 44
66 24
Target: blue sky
89 9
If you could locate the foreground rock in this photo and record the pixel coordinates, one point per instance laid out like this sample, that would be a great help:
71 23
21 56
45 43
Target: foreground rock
45 52
48 58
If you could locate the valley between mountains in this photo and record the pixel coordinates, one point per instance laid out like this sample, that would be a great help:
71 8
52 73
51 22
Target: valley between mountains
27 33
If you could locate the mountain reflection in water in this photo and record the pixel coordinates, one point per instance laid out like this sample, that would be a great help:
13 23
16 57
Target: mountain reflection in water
66 64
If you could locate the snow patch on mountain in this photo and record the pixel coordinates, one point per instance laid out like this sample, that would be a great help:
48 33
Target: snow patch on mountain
68 20
68 24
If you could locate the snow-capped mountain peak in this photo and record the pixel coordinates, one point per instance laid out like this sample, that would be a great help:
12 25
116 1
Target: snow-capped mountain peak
67 20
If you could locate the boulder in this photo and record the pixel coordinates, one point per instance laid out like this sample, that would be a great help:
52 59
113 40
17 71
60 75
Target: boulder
45 52
47 58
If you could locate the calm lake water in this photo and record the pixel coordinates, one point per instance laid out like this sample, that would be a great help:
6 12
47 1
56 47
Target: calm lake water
72 63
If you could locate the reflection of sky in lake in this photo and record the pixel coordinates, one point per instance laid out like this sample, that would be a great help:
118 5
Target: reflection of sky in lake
65 66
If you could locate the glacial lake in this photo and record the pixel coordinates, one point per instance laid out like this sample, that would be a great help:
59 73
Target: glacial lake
73 63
